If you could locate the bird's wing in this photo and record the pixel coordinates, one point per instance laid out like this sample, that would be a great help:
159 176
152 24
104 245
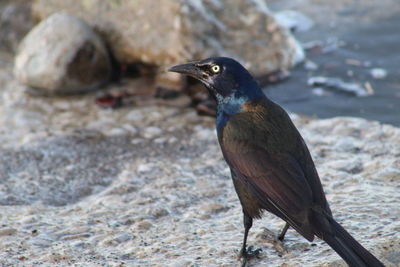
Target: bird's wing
277 181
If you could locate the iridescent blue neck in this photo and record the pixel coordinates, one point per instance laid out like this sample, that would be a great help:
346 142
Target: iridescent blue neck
232 104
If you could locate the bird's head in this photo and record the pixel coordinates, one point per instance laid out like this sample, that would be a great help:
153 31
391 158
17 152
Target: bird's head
224 77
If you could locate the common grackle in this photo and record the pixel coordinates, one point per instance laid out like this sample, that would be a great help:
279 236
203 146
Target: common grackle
270 164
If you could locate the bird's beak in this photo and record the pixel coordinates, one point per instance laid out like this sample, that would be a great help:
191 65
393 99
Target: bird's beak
189 69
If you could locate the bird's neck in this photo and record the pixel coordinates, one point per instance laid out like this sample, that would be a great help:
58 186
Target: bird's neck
233 104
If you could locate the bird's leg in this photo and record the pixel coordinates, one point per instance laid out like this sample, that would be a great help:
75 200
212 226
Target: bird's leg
247 253
284 230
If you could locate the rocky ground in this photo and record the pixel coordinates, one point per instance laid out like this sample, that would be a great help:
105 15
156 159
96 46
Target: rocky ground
147 186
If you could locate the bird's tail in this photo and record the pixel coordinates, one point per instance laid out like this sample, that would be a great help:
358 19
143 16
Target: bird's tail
348 248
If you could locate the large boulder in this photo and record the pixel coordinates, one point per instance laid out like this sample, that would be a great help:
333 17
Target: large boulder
178 31
62 55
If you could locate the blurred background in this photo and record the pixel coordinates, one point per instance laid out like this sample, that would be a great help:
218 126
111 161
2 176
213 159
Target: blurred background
314 57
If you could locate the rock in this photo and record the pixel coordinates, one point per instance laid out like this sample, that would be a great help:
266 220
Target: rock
184 30
15 22
123 237
151 132
144 225
310 65
157 212
116 132
62 55
378 73
143 168
339 85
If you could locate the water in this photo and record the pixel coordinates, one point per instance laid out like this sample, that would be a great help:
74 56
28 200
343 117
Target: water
375 44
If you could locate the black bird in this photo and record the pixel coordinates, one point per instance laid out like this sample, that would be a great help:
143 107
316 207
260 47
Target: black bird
270 164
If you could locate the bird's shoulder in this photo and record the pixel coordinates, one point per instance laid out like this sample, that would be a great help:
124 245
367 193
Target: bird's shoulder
262 123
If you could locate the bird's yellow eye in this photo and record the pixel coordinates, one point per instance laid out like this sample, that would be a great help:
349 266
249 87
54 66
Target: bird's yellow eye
215 68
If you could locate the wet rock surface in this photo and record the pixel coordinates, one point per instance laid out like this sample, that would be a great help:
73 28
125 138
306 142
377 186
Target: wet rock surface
147 186
62 55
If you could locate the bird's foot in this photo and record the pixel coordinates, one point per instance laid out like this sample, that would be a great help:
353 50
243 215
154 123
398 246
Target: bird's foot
281 237
249 253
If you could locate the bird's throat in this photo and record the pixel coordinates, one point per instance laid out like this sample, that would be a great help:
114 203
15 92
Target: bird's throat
227 107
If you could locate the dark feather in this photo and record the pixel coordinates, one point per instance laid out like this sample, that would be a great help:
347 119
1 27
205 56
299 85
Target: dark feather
275 177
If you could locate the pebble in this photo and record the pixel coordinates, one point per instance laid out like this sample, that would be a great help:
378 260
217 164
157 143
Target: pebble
157 212
378 73
131 129
143 168
310 65
137 141
135 115
346 144
116 132
123 237
144 225
172 140
160 140
151 132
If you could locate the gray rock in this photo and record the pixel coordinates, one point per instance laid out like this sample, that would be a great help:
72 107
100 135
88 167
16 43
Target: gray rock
62 55
123 237
179 31
151 132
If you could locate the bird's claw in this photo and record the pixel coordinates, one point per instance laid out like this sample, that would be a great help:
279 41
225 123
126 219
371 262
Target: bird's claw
249 253
281 237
